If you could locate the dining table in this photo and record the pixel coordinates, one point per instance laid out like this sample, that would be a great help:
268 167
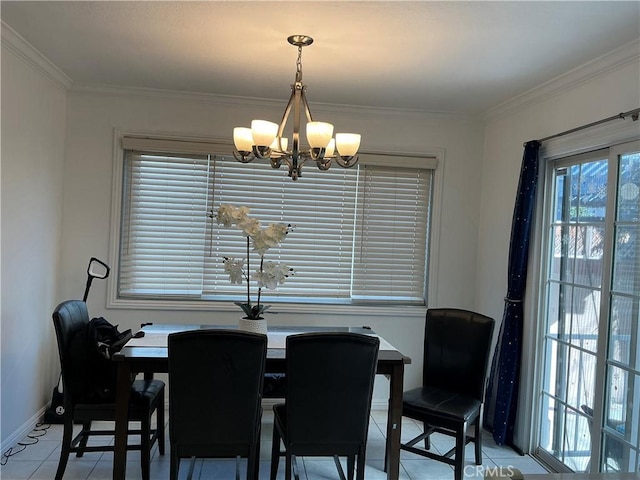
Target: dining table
147 354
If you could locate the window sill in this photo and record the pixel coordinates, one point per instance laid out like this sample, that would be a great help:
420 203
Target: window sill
396 310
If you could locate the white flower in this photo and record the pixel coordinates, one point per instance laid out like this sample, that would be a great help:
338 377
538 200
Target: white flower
269 237
250 226
235 269
228 215
272 274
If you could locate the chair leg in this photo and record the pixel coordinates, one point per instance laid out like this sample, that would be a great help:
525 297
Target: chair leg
275 452
174 463
427 439
160 423
67 435
192 467
86 428
287 466
461 436
256 455
253 461
361 463
478 442
351 465
145 445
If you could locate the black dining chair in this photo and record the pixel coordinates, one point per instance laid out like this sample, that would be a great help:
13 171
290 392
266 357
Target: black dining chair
330 380
147 397
215 396
456 355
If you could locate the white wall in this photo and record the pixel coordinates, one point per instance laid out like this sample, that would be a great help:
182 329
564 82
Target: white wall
596 96
33 134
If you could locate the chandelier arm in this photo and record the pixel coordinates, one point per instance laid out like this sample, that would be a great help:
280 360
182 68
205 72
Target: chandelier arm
243 157
317 154
305 159
346 161
324 164
276 162
285 116
262 153
294 169
307 110
295 151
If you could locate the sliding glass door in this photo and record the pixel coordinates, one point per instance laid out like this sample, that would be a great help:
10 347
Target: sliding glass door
590 392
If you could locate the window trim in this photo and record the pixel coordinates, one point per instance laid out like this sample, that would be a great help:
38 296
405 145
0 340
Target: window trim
434 157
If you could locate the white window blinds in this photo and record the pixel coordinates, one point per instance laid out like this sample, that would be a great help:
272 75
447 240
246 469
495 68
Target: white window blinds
392 234
163 225
320 206
360 234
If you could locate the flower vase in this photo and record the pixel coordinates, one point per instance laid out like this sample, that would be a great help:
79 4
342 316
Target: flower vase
255 326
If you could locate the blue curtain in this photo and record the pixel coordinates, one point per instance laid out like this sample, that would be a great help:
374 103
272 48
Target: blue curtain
502 393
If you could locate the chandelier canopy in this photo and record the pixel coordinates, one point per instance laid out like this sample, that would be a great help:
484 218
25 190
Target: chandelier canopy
266 140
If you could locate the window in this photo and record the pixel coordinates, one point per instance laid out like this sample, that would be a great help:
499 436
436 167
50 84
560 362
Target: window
360 235
590 414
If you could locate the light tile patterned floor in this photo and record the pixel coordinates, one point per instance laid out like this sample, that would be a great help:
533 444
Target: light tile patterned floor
40 460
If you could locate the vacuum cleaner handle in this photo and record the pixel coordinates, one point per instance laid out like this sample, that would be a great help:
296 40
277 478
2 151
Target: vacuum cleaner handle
95 269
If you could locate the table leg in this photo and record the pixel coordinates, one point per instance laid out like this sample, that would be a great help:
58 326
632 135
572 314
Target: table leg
123 394
394 422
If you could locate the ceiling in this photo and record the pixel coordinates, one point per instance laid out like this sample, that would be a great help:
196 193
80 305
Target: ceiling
458 57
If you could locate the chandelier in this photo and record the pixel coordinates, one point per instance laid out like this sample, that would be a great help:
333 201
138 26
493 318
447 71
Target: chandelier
266 141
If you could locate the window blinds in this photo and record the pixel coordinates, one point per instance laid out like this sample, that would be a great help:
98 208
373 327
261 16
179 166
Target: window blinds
320 207
390 253
163 224
359 234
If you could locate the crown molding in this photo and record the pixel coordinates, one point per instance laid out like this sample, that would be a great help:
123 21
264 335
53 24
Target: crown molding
602 65
268 104
12 41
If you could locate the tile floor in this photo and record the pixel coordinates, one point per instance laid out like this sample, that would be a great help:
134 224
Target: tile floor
40 460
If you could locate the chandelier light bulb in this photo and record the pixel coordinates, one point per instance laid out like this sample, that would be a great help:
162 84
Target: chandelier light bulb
347 144
275 146
243 139
263 132
319 134
331 148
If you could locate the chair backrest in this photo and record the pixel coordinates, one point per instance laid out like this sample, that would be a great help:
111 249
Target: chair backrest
330 380
457 347
215 386
69 318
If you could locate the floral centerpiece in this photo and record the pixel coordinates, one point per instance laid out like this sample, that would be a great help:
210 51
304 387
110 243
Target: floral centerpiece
269 274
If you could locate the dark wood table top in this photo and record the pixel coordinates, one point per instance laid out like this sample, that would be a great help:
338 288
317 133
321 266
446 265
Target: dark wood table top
147 348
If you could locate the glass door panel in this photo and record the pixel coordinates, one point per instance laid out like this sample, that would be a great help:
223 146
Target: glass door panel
573 310
622 397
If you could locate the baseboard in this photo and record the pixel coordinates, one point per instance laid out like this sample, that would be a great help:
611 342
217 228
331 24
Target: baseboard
24 430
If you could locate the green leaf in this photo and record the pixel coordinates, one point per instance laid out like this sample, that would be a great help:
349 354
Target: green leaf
252 312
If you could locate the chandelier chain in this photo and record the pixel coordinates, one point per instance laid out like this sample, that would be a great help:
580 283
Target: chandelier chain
299 65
